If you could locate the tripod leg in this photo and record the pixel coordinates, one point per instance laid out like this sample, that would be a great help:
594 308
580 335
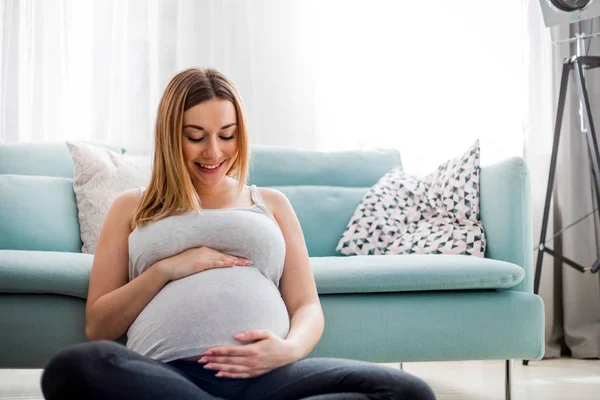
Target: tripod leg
591 131
559 117
564 82
595 190
596 265
591 138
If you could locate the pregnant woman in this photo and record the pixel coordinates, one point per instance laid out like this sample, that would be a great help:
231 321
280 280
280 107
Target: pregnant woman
208 277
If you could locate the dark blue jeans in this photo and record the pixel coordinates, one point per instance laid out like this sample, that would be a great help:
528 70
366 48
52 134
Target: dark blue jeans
104 370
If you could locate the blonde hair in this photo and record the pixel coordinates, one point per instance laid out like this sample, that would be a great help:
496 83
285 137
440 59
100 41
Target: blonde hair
171 190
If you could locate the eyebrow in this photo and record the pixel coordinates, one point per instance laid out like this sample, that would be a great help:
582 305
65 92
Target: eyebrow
202 129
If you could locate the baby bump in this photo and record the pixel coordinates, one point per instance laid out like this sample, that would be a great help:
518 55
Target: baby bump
206 310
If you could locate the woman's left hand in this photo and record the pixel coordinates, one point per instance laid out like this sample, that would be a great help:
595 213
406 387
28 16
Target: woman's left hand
250 360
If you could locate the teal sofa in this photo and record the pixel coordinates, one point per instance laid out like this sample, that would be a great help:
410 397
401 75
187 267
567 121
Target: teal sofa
377 308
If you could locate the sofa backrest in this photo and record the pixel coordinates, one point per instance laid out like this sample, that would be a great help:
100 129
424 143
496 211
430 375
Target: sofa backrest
41 159
38 209
323 187
38 213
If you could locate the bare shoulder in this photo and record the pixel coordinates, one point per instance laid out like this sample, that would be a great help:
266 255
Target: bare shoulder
128 198
125 204
281 208
275 201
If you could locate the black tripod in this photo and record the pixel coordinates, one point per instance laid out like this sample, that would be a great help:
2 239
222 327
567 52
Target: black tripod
577 64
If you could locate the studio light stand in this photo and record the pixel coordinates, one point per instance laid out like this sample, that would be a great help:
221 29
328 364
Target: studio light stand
579 64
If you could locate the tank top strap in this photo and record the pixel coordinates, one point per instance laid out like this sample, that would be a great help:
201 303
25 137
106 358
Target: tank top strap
257 199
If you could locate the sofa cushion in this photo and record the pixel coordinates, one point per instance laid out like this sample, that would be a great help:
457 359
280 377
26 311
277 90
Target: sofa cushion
323 212
278 166
405 214
68 274
408 273
100 175
45 159
45 272
38 213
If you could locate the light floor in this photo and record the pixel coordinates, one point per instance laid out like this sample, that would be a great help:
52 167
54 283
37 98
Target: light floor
564 379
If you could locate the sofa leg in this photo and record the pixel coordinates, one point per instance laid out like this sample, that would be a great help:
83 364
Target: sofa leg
508 380
401 367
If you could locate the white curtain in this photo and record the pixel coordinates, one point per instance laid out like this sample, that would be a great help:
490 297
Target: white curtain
426 77
95 69
572 299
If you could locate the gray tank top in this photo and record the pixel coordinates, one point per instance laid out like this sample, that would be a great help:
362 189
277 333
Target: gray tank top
207 309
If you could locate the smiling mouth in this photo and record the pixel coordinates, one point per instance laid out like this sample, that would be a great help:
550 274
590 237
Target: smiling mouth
209 167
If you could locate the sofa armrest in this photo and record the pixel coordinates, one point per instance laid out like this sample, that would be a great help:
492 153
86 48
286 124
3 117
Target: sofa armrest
505 204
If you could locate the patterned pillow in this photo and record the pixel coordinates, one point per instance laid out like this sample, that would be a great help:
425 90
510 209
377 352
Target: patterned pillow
437 214
100 176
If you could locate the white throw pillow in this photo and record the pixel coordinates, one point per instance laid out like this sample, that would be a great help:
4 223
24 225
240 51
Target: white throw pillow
100 176
437 214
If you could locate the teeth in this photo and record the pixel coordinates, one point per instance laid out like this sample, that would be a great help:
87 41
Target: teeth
210 166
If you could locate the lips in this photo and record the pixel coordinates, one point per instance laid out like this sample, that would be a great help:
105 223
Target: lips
209 170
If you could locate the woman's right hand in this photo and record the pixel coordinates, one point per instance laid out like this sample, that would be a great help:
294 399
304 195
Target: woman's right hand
199 259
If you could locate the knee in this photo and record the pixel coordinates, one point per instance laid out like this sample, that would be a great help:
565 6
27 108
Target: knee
410 387
422 391
78 354
70 364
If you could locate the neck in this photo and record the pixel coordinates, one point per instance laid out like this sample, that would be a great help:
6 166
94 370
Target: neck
214 191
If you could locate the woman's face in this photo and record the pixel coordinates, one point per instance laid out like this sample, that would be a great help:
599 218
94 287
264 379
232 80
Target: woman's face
210 140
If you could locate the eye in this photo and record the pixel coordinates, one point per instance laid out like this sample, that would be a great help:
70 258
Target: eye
228 138
194 140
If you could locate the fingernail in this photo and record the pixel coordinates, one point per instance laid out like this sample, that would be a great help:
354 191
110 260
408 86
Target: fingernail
202 360
208 366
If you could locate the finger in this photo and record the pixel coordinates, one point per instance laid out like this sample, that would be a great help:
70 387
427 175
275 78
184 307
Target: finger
232 261
222 374
227 368
243 351
242 261
253 335
225 360
225 263
222 263
243 375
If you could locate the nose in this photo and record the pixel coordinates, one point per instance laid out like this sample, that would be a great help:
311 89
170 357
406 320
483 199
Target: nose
212 151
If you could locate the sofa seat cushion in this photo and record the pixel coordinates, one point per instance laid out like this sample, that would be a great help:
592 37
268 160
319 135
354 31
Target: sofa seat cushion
409 273
45 272
68 273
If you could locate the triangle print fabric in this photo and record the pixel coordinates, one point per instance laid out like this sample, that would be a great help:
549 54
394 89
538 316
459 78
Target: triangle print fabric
437 214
